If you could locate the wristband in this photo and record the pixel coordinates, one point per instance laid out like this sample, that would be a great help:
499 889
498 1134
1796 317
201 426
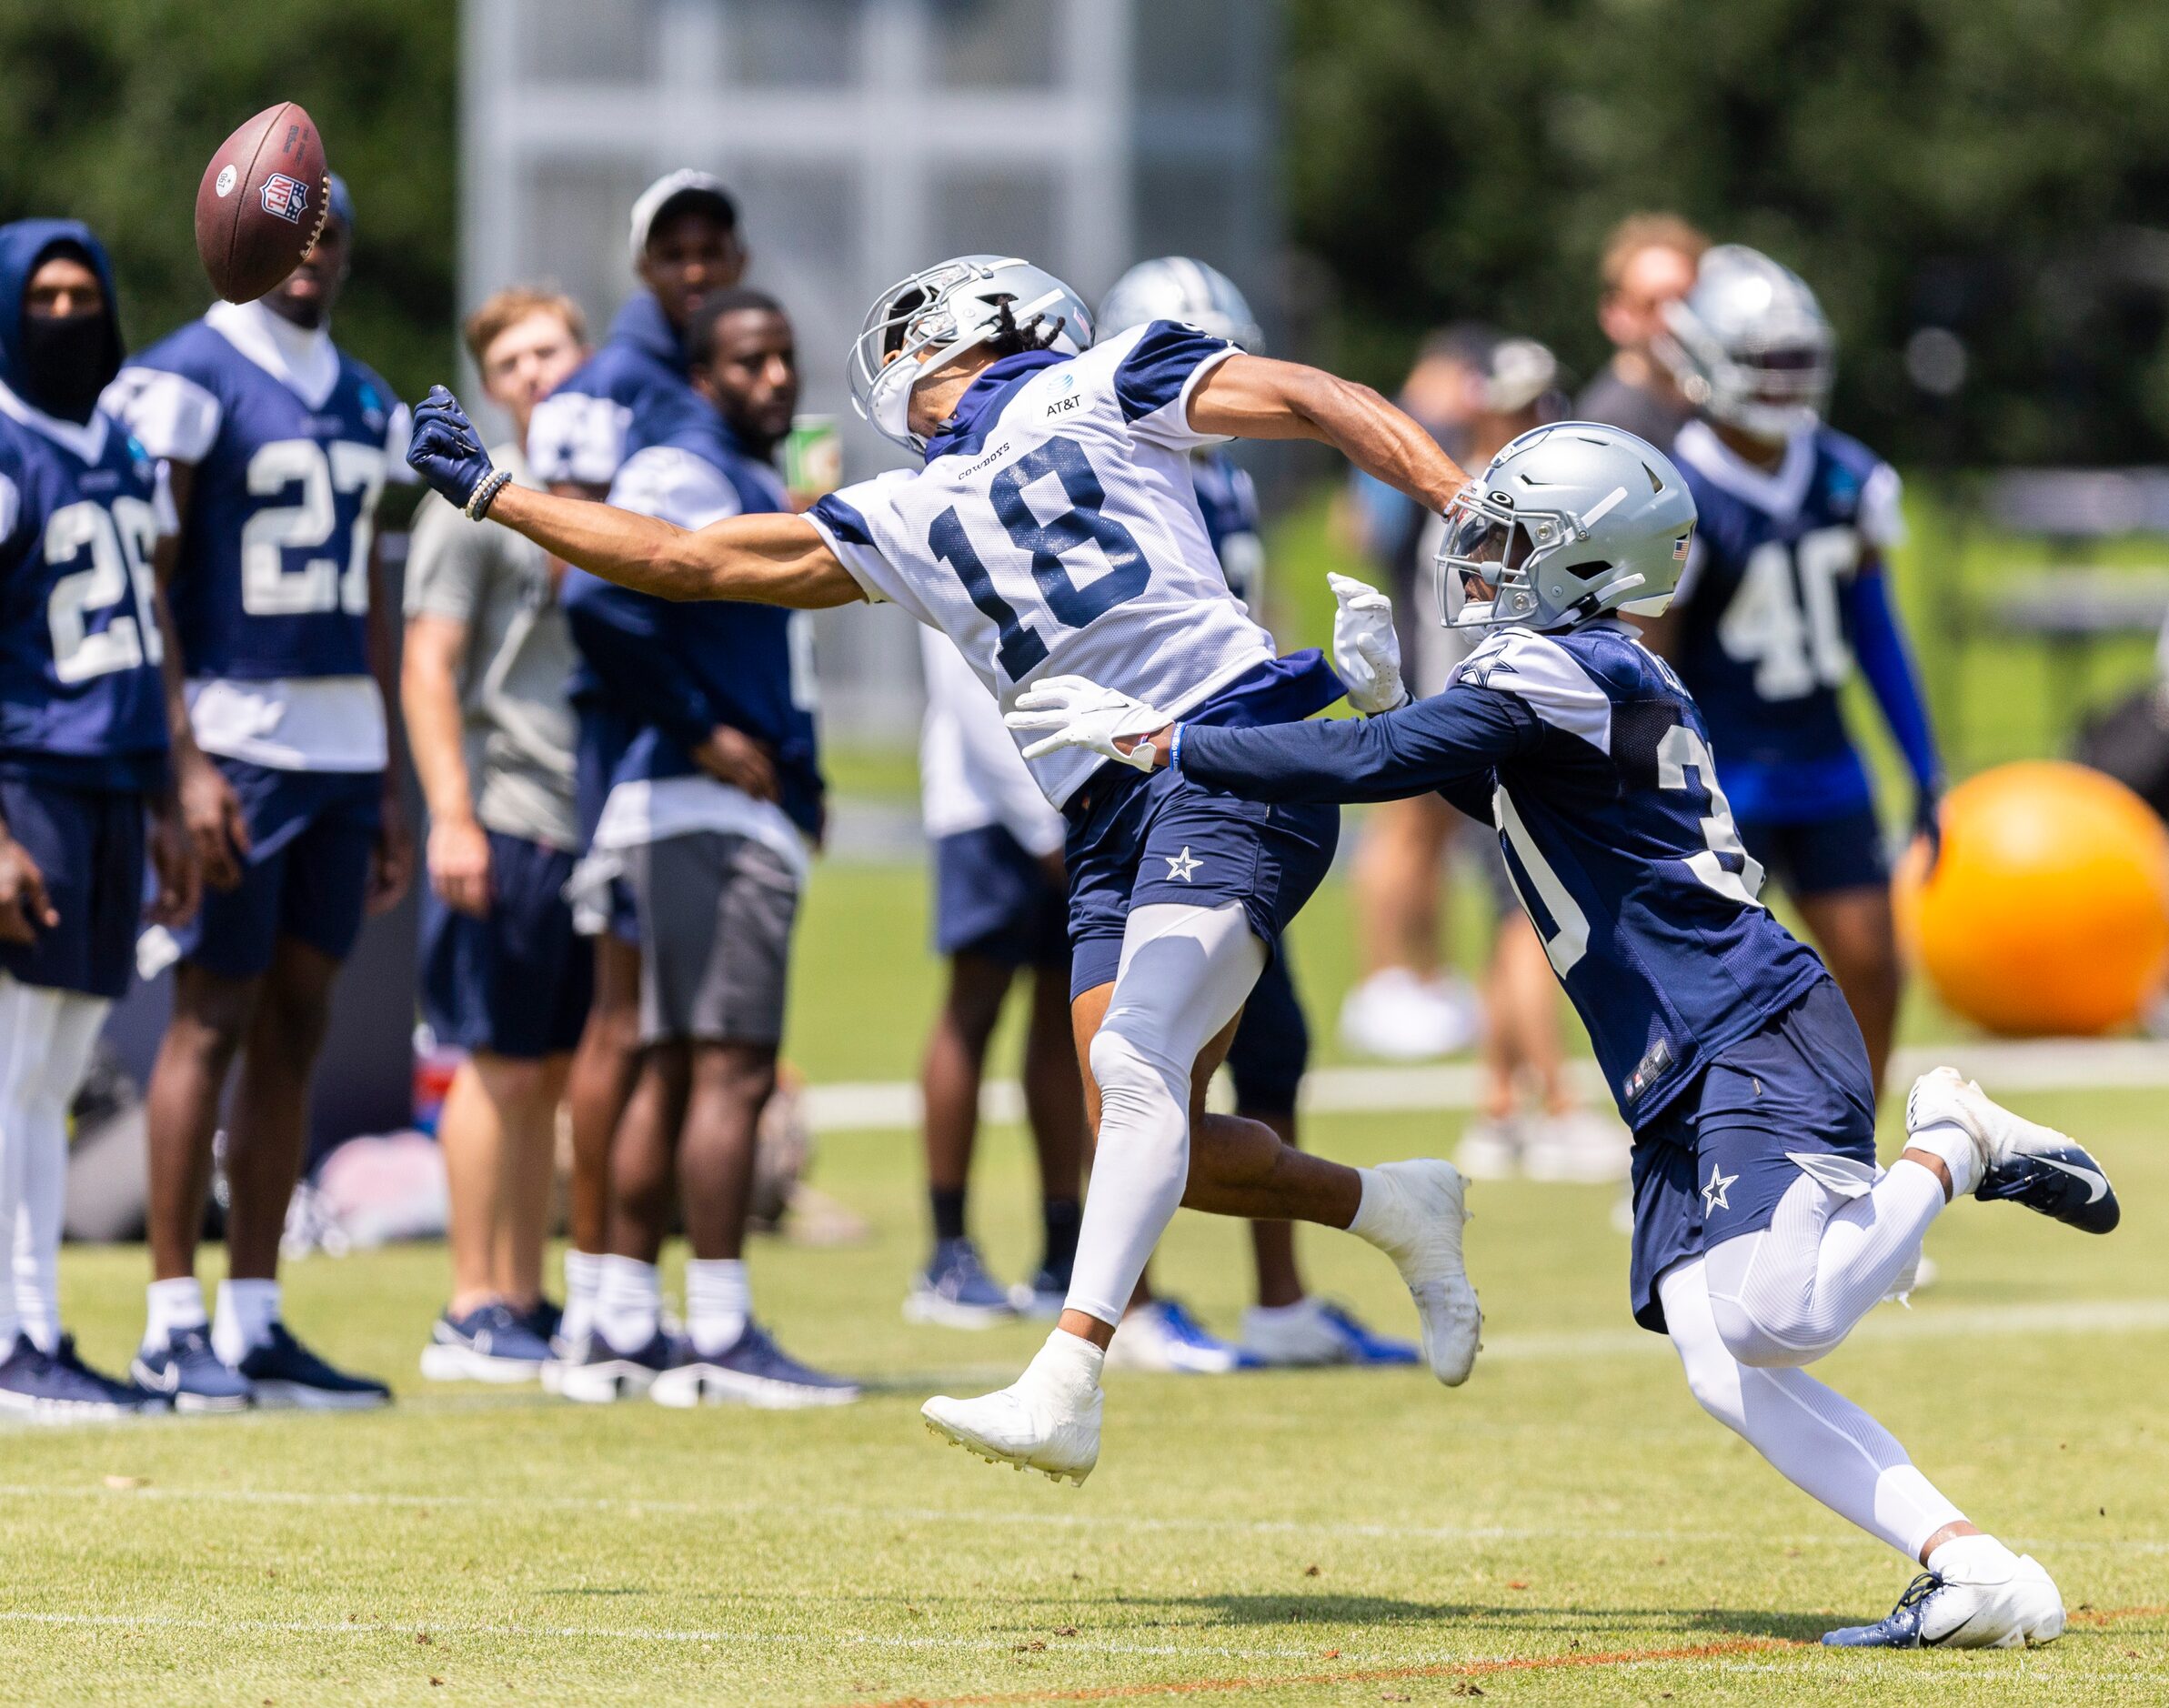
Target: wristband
485 494
1175 749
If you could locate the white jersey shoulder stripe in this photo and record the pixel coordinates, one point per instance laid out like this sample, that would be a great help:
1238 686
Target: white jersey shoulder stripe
1543 674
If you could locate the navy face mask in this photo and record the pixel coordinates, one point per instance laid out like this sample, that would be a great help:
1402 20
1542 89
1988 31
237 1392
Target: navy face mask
63 362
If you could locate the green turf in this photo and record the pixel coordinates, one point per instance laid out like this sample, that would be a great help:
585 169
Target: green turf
1569 1503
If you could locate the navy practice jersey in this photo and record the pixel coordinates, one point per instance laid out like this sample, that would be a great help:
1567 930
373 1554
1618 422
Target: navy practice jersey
1228 503
1592 760
632 391
81 698
670 672
1766 613
292 441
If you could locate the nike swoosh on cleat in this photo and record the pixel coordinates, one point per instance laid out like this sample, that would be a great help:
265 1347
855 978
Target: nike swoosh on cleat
2097 1188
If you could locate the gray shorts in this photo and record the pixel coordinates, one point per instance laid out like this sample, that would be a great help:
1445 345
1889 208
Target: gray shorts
716 914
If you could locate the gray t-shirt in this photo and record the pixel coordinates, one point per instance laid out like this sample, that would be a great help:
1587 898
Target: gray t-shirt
1656 416
521 727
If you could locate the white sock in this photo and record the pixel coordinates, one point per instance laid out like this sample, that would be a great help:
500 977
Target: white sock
45 1164
1184 974
1972 1560
1373 1222
246 1310
718 1302
1818 1439
172 1307
583 1275
1955 1146
27 1015
628 1302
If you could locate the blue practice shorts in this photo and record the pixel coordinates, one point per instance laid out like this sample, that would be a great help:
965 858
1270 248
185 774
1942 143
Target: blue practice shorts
1821 856
90 845
1713 1163
312 836
517 981
1137 840
991 897
1272 1044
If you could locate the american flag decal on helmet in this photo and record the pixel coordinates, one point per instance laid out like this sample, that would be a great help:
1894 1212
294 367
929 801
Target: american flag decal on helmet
285 199
1679 546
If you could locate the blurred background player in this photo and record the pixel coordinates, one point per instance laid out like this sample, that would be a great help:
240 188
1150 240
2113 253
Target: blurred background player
1648 261
1408 1002
713 802
83 753
685 243
1000 907
1271 1048
487 681
279 445
1784 588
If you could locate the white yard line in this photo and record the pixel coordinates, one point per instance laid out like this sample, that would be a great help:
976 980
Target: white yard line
2031 1065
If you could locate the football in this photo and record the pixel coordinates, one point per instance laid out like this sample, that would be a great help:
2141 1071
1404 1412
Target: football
261 203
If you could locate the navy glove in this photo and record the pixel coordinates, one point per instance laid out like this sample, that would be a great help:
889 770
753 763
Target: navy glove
1928 823
444 449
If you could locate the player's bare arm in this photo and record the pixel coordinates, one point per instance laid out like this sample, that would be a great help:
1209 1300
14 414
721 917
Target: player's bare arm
210 811
764 560
1256 397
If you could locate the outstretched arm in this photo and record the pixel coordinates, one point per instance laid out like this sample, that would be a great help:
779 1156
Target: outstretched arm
766 559
1255 398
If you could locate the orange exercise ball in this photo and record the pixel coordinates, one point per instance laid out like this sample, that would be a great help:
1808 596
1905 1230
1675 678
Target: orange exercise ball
2049 910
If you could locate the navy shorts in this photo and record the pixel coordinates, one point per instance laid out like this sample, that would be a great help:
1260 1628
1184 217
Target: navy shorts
312 835
1272 1044
603 737
517 981
90 845
1137 840
991 897
1713 1163
1822 855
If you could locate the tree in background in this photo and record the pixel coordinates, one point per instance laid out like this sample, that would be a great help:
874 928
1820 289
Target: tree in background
109 109
1996 167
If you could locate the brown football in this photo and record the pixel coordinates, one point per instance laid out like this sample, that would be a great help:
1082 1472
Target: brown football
261 203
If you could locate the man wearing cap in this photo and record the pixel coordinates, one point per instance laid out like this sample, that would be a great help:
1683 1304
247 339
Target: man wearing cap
277 444
686 245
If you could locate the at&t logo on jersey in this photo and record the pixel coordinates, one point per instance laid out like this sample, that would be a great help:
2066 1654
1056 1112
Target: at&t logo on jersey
285 199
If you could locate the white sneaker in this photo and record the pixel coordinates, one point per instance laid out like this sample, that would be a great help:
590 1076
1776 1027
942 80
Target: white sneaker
1490 1149
1577 1144
2021 1160
1164 1337
1047 1421
1400 1016
1416 1220
1981 1596
1314 1332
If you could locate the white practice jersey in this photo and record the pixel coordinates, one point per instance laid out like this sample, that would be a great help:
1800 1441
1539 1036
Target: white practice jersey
1055 531
969 773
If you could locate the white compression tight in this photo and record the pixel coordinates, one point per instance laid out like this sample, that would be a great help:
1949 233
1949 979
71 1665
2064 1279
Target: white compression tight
1818 1439
1185 973
46 1040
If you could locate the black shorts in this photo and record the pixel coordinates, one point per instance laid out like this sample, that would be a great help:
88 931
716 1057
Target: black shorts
1821 856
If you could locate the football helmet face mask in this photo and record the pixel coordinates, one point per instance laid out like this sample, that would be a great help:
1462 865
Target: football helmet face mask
928 319
1176 288
1569 522
1749 346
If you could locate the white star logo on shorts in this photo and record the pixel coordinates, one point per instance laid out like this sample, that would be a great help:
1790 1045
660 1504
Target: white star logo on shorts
1713 1196
1182 865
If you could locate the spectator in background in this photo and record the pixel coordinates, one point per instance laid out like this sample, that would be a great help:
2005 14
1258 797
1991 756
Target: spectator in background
1408 1003
486 686
686 243
713 802
1649 261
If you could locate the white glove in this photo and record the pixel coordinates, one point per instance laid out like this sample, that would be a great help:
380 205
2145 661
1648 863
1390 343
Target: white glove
1366 650
1082 714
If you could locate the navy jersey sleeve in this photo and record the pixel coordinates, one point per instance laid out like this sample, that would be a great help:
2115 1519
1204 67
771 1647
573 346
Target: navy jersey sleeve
626 642
1437 744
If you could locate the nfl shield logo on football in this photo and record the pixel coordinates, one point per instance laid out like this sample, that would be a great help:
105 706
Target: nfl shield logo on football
286 198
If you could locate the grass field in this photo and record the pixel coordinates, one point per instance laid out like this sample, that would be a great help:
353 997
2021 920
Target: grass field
1566 1528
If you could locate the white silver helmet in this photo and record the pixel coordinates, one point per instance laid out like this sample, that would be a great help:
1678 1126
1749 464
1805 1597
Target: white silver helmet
1748 344
1176 288
950 309
1569 522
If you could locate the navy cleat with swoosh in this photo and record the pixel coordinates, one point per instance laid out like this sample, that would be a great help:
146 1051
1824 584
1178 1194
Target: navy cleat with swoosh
2022 1162
1997 1600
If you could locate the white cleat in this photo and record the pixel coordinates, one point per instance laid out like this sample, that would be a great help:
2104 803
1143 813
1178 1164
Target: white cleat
2021 1161
1047 1421
1989 1598
1417 1222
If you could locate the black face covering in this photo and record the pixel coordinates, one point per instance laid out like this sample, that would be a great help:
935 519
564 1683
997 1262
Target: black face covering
64 361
